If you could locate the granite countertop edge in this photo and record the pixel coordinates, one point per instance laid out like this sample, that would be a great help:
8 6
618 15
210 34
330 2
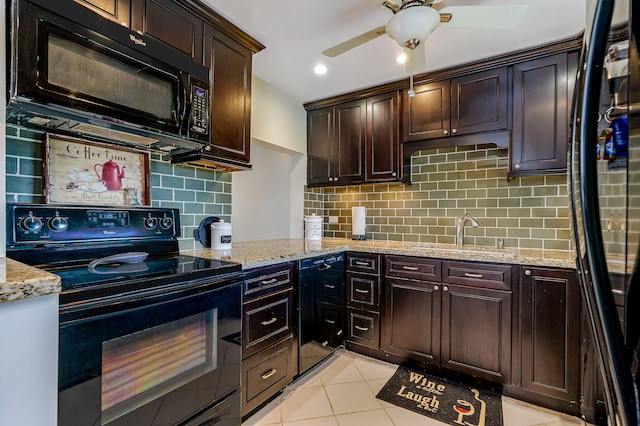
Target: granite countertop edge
19 281
253 254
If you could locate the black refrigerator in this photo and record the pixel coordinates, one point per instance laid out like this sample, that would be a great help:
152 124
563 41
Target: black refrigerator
605 197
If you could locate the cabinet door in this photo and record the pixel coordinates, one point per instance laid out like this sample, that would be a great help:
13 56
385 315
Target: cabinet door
476 332
116 10
319 134
170 23
550 332
479 102
382 150
427 115
540 119
412 320
230 108
348 143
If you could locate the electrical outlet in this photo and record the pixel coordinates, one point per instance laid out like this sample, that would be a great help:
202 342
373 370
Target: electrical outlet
333 219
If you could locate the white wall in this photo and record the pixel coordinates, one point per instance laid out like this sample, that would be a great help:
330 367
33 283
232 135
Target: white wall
268 201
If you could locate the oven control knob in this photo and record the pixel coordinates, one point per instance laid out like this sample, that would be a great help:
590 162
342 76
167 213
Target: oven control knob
58 224
31 224
166 223
150 222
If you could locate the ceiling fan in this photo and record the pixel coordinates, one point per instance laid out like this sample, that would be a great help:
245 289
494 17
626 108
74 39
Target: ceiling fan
414 20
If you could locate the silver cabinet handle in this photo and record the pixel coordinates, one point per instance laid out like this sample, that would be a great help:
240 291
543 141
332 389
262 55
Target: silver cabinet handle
527 272
330 179
445 288
394 174
362 328
271 281
620 292
470 275
271 321
516 166
268 374
329 286
454 131
435 288
328 321
362 291
446 132
410 268
362 263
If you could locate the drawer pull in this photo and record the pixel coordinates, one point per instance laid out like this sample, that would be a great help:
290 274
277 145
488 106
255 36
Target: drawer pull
620 292
410 268
362 263
268 374
470 275
269 322
271 281
328 321
362 328
329 286
362 291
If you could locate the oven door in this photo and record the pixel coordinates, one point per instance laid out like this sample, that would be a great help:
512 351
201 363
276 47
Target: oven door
163 357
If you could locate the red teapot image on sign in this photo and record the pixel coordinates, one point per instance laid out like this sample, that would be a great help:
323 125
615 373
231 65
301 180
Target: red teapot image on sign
111 175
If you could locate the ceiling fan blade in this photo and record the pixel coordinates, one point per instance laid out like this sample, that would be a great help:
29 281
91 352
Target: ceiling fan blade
415 60
486 17
354 42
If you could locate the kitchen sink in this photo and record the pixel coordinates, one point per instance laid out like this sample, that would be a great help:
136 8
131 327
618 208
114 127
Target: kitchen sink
463 249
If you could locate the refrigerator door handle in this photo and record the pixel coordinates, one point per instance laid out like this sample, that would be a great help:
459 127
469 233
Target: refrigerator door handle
619 388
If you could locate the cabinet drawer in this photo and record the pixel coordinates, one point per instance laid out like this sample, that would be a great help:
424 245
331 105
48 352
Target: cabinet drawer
363 290
265 321
265 373
363 327
261 281
417 268
486 275
367 263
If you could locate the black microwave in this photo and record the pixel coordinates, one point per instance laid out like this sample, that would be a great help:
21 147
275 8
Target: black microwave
102 80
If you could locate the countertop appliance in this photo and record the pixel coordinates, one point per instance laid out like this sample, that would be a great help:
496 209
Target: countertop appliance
605 190
321 290
147 336
94 78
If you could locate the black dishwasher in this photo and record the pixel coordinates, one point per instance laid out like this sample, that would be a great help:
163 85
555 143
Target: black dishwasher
321 309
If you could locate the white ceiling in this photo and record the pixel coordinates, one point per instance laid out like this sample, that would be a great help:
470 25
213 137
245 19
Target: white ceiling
295 32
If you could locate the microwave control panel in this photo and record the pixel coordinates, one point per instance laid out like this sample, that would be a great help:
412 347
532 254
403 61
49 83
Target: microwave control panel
199 119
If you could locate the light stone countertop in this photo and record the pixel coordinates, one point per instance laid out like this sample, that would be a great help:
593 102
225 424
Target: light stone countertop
19 281
254 254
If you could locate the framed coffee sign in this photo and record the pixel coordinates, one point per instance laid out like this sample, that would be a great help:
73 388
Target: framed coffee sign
77 171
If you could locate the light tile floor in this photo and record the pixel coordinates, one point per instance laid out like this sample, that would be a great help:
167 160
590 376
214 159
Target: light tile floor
341 392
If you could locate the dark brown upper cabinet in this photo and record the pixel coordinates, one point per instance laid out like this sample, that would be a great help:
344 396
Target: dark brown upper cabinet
542 90
354 142
169 23
335 144
382 148
230 100
115 10
473 103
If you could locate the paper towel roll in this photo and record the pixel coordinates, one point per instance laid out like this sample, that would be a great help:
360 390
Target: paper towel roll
358 222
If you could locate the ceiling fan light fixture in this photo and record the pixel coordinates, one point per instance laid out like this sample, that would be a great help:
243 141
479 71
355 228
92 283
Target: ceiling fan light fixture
320 69
412 26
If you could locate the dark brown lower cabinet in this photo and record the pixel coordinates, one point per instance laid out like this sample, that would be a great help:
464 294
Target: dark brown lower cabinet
476 332
550 341
412 320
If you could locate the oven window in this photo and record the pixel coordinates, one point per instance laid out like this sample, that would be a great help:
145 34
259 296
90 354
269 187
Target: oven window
138 368
83 70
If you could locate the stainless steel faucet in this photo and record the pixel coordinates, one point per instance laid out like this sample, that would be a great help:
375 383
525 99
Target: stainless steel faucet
460 222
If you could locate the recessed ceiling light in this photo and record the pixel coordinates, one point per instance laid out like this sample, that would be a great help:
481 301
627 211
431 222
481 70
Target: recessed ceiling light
320 69
401 59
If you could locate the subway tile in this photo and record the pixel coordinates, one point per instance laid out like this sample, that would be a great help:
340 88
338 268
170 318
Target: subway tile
533 202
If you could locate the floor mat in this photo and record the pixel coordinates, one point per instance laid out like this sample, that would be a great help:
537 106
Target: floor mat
442 399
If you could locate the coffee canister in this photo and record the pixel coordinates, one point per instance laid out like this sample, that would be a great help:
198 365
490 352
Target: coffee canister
221 235
312 227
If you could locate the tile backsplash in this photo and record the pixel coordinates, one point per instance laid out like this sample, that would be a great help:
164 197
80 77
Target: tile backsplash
197 192
527 212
